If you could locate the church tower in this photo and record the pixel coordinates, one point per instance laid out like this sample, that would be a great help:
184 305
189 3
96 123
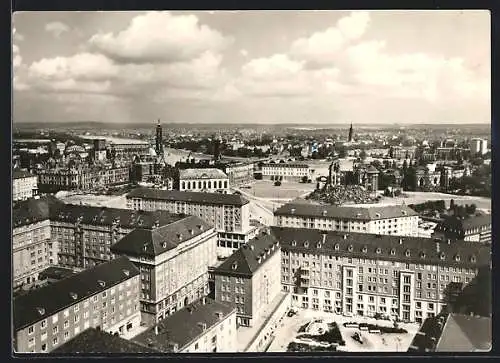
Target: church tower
350 134
159 139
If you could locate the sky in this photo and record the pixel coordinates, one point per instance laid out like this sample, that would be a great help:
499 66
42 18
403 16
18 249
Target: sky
303 67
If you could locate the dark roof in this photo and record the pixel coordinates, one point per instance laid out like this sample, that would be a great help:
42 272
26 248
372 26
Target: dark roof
152 242
372 169
392 248
345 212
184 326
193 197
245 260
426 338
33 210
55 272
49 207
459 225
465 333
19 174
97 341
47 300
287 165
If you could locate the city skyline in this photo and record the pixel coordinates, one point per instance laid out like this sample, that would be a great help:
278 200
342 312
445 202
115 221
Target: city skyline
314 67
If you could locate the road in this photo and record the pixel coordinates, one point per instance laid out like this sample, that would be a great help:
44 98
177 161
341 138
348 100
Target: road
260 209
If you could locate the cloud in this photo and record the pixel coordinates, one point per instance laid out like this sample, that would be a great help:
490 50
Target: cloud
57 28
158 37
17 36
16 57
244 52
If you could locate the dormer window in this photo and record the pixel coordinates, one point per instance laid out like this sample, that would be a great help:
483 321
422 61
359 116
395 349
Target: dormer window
306 244
457 258
364 249
393 252
294 243
164 244
473 259
234 266
101 283
407 253
41 311
349 248
422 254
126 272
378 251
337 247
442 256
73 295
318 245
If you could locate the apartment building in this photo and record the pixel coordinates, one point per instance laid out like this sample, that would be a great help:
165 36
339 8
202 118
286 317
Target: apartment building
475 228
114 176
173 261
228 213
365 274
51 180
104 297
206 180
285 171
391 219
204 326
24 185
248 279
33 250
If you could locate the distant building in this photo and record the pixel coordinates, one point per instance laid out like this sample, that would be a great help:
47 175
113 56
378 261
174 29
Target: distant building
173 260
349 139
394 220
453 333
95 341
478 146
52 180
24 185
475 228
104 297
110 176
359 274
209 180
204 326
159 139
285 171
237 172
229 213
99 150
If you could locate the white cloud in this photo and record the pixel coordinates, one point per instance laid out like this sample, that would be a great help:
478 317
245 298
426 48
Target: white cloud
157 37
17 36
244 52
16 57
57 28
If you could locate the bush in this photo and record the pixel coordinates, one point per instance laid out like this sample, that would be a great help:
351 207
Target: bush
277 183
333 335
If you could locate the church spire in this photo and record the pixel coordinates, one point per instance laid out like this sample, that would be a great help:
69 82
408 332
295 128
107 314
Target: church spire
350 133
159 139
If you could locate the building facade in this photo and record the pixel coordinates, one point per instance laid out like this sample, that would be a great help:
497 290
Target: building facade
24 185
69 178
476 228
239 173
173 262
285 171
228 213
207 180
114 176
203 326
364 275
478 146
393 220
105 297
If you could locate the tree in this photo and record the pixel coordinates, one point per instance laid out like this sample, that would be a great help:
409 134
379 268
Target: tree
452 204
362 155
304 179
451 295
475 298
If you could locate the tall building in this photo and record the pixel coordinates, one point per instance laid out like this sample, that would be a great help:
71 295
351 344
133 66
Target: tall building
394 220
104 297
24 185
478 146
350 134
229 213
100 150
365 274
204 326
159 140
173 261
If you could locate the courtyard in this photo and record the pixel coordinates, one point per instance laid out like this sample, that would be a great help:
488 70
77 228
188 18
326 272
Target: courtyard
286 191
312 321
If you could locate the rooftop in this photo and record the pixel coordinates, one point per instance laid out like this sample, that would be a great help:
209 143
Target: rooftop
286 165
384 247
345 212
454 223
192 197
185 325
48 300
97 341
202 173
249 257
55 272
33 210
153 242
20 174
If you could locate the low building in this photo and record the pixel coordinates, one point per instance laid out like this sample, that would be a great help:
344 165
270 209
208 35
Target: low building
204 326
365 274
453 333
285 171
104 297
207 180
95 341
228 213
24 185
475 228
390 219
173 260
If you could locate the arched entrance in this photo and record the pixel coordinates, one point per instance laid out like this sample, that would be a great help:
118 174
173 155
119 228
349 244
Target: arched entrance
186 301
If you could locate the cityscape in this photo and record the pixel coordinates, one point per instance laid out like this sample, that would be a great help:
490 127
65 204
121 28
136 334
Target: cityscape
153 213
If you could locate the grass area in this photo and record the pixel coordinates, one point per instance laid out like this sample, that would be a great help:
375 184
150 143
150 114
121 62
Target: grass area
332 335
288 190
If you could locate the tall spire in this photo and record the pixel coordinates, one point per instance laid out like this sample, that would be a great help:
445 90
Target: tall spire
159 139
350 133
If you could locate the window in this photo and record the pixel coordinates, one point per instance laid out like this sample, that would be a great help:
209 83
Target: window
66 335
54 330
31 329
66 324
54 319
43 324
66 313
54 341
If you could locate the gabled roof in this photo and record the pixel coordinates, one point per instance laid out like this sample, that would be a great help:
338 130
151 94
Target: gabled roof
45 301
384 247
185 325
97 341
465 333
453 223
153 242
248 258
345 212
190 197
199 173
